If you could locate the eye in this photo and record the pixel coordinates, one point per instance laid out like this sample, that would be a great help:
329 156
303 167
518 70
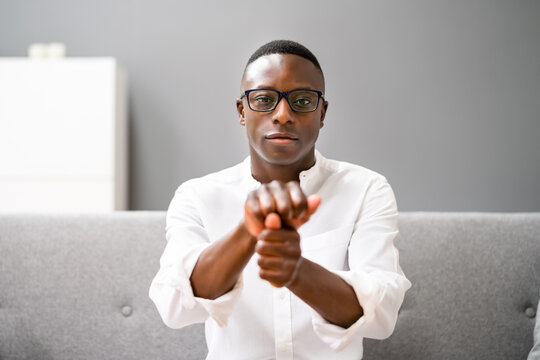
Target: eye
303 101
262 99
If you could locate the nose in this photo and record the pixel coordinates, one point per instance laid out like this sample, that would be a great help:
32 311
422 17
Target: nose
282 113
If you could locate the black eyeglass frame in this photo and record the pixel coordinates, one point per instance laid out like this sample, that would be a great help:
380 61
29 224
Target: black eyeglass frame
284 94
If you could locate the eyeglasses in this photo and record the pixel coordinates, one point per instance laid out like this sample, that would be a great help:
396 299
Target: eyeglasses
267 99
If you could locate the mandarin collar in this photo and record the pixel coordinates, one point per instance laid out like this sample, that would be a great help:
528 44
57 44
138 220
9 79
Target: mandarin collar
311 178
308 178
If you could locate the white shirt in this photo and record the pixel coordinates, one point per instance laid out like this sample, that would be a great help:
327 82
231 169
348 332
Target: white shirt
351 233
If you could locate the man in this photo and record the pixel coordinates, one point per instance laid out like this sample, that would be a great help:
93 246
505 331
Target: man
287 254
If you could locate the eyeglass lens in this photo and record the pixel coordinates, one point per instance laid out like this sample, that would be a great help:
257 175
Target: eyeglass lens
300 100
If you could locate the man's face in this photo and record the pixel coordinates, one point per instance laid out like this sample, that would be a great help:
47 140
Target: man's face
282 136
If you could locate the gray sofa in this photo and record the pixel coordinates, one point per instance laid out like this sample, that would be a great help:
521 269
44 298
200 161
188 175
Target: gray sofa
75 287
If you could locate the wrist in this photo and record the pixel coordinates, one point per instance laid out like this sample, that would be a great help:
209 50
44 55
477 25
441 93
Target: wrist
295 277
244 233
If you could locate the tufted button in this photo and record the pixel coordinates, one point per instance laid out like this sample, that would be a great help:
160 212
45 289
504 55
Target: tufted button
127 310
530 312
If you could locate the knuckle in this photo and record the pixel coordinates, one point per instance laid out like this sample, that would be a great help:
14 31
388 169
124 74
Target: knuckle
251 198
263 235
295 189
252 204
293 184
283 207
264 188
293 237
261 192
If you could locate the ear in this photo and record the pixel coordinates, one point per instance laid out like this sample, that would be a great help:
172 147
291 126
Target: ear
323 113
240 110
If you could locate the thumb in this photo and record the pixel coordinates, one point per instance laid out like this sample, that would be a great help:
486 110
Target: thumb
272 221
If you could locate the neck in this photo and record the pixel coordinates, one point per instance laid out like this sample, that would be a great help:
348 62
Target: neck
265 172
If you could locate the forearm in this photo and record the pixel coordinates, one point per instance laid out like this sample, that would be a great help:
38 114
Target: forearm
326 293
220 265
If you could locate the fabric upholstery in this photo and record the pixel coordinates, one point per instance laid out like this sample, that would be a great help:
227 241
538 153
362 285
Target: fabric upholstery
65 279
474 276
76 287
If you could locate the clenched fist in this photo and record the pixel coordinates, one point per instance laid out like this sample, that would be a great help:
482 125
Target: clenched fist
287 200
273 213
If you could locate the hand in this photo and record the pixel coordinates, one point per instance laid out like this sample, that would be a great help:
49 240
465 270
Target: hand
287 200
279 252
273 213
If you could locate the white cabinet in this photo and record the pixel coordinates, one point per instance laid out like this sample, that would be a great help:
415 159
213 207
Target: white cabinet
63 135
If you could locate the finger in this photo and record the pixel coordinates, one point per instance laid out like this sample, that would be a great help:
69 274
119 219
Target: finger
266 200
254 220
272 221
313 202
282 235
281 199
283 250
285 265
270 262
298 199
276 277
266 248
252 206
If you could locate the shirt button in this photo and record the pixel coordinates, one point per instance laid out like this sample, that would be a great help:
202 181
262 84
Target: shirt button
282 294
283 347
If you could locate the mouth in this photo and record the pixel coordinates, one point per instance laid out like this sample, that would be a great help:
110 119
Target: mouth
280 136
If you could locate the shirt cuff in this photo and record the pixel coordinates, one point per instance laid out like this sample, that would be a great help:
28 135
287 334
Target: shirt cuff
178 276
369 293
220 308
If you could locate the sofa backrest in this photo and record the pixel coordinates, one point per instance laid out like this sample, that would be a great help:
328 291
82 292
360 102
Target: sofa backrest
476 281
76 287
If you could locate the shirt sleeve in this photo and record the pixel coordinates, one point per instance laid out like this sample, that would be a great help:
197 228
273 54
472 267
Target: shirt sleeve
534 354
375 273
171 289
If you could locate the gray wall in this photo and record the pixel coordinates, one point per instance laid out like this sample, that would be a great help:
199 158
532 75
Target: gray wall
442 97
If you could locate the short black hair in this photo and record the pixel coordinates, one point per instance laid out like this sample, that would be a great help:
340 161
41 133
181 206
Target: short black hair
284 47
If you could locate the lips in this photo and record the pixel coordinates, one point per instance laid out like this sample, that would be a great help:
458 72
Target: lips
281 135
